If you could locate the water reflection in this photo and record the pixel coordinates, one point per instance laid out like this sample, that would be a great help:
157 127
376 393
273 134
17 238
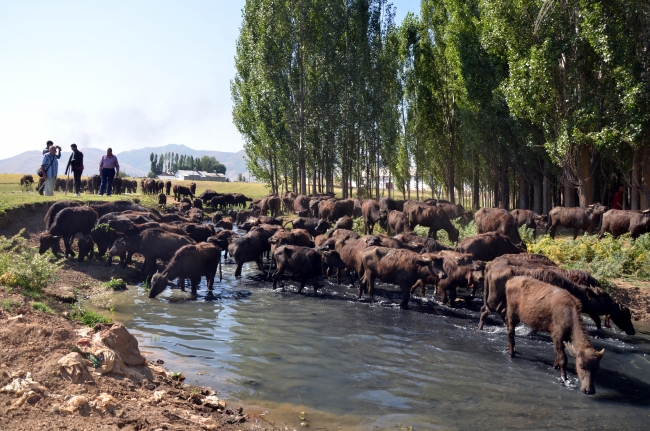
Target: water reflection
350 364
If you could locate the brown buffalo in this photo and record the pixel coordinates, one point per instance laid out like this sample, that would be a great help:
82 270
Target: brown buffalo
304 262
313 225
162 199
54 209
396 222
576 218
221 239
350 250
49 242
543 307
199 232
168 188
498 220
530 219
371 214
192 261
26 179
455 211
332 209
70 221
487 246
301 205
619 222
594 300
401 267
344 222
433 217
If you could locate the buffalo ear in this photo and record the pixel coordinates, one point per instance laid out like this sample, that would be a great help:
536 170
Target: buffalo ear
572 350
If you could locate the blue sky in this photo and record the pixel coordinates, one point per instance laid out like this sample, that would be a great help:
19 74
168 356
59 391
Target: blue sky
120 74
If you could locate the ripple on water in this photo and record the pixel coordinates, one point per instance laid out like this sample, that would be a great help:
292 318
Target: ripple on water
354 365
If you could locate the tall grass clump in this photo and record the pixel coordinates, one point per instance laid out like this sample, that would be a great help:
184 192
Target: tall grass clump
22 265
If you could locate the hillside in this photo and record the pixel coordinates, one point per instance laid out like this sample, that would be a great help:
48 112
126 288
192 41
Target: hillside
134 162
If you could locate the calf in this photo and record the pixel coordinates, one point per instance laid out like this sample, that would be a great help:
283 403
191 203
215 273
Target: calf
498 220
401 267
49 242
162 199
487 246
221 239
86 247
544 307
304 262
576 218
618 222
224 224
427 245
191 261
54 209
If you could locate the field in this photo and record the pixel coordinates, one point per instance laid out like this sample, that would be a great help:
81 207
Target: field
12 195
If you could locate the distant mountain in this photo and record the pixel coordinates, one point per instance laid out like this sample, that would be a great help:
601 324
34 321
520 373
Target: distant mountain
134 162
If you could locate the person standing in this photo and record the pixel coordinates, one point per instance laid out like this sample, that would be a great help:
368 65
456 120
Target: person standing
109 168
50 167
76 165
49 144
617 202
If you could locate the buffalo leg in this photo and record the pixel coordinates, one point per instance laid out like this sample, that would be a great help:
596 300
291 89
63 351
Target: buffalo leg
238 270
209 279
560 357
596 318
406 295
316 286
511 323
575 233
303 281
195 284
484 314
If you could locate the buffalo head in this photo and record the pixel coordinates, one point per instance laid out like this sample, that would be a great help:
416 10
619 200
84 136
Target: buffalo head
587 365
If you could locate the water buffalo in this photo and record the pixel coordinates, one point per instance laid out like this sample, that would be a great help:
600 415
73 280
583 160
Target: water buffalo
344 222
221 239
86 247
487 246
26 179
130 228
240 200
199 232
498 220
349 249
530 219
594 300
162 199
455 211
248 248
168 187
193 188
191 261
70 221
216 216
371 214
396 222
304 262
207 195
152 244
49 242
198 203
287 201
427 245
332 209
543 307
301 205
618 222
121 206
433 217
396 266
312 225
54 209
576 218
182 191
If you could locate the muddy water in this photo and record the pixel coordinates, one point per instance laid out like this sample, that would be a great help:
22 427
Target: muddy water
352 365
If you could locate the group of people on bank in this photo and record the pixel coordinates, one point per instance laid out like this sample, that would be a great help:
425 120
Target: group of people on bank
109 168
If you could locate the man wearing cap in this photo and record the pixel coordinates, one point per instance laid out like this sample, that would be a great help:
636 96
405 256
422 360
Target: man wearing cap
109 168
50 167
76 165
49 144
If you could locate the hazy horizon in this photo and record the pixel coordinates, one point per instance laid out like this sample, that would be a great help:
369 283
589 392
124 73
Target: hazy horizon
122 74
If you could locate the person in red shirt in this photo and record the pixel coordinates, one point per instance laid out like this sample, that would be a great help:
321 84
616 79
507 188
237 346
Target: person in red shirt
617 202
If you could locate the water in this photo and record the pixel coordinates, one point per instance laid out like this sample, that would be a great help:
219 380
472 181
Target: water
352 365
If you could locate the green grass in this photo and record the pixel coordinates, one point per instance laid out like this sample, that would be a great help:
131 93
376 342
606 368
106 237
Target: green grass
42 307
9 305
115 284
22 265
87 317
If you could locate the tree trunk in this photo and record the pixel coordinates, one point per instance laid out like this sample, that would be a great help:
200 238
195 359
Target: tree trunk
635 181
505 189
585 181
546 192
537 193
476 187
645 180
523 192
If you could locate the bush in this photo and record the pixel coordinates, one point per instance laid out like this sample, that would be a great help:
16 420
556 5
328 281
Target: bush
87 317
606 258
42 307
22 266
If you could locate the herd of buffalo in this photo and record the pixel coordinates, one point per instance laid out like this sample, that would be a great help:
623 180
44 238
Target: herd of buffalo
518 286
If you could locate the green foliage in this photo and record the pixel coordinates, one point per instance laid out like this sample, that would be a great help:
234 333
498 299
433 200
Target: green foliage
464 231
42 307
9 305
22 265
115 284
605 259
87 317
357 226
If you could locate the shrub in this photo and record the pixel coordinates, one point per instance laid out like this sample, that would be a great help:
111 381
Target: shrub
42 307
87 317
22 266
